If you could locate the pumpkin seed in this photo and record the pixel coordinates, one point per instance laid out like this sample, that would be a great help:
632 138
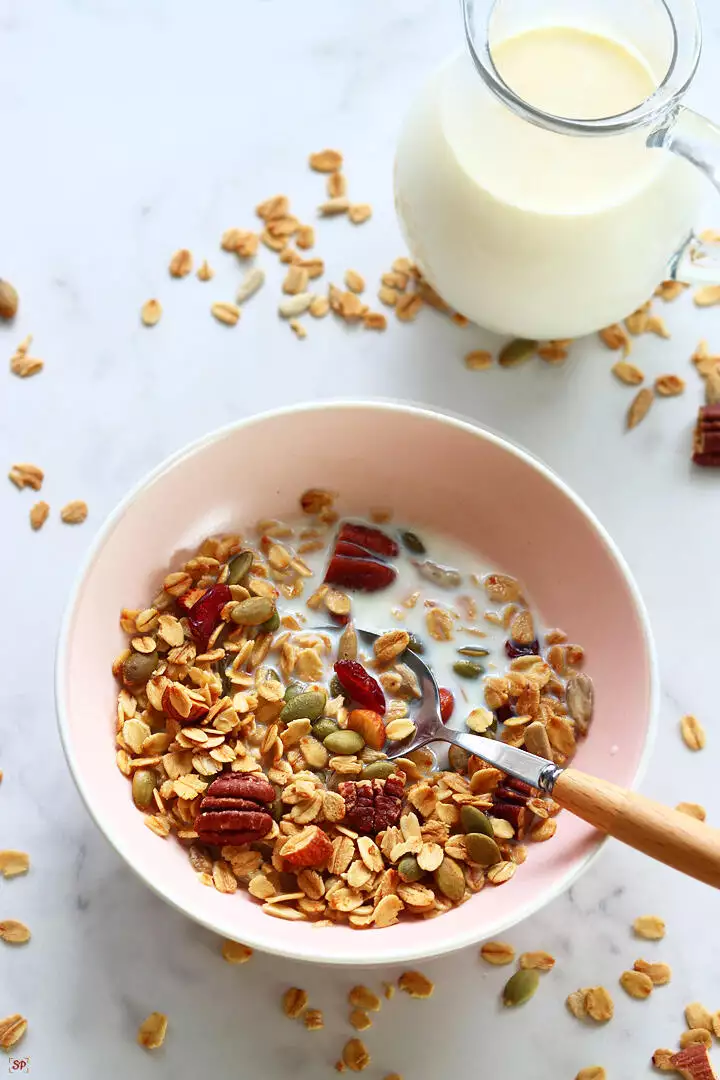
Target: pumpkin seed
415 644
413 542
267 674
271 625
277 809
473 650
324 727
520 987
516 352
450 879
252 612
336 688
458 758
409 868
444 576
580 694
344 742
482 849
144 782
308 705
378 770
467 669
239 567
347 647
139 667
292 691
473 820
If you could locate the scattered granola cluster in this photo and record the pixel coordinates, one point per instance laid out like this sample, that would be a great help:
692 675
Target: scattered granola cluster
276 779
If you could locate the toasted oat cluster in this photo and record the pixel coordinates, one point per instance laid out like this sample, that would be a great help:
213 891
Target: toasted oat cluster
261 743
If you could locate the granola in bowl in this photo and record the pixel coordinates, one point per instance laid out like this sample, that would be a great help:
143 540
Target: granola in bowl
261 744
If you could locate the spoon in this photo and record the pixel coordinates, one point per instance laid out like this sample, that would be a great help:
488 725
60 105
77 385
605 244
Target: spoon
679 841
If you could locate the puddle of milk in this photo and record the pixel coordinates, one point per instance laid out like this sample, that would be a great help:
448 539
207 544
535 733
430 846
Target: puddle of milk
385 610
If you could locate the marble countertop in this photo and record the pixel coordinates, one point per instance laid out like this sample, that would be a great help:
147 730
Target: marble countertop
131 130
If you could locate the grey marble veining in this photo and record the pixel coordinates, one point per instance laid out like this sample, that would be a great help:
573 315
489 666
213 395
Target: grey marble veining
130 130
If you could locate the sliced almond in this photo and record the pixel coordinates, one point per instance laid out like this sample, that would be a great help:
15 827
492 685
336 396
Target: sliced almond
639 407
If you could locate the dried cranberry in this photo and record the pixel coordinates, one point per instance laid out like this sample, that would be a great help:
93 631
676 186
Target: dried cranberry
341 620
447 704
205 612
365 574
372 805
516 815
361 686
370 538
506 794
354 551
521 786
515 649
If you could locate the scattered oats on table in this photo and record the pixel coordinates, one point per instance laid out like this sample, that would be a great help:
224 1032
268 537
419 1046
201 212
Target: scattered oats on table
355 1055
152 1031
13 863
26 475
151 312
313 1019
226 313
23 365
12 1029
205 272
649 927
497 953
416 984
75 512
181 263
693 733
294 1001
362 997
14 932
236 953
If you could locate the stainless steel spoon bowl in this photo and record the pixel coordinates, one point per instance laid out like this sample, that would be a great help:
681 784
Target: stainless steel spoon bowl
429 726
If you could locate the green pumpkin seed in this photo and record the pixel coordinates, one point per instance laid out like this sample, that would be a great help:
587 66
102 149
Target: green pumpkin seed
416 645
344 742
144 782
271 625
139 667
324 727
378 770
466 669
252 612
292 691
450 879
520 987
267 674
413 543
481 849
239 567
458 758
409 868
473 650
336 689
309 705
473 820
517 351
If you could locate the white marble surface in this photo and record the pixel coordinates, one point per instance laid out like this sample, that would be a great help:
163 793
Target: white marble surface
130 130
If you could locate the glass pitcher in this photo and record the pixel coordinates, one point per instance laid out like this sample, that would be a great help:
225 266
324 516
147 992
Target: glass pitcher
549 177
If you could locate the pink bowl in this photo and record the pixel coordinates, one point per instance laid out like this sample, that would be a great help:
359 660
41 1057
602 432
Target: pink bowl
435 471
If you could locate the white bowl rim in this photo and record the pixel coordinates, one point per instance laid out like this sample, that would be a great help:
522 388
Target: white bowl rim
265 943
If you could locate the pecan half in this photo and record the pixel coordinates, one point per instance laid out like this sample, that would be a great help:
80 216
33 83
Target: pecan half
372 805
706 442
232 810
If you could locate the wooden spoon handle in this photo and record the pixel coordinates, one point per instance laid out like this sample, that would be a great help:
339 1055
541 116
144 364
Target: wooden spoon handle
676 839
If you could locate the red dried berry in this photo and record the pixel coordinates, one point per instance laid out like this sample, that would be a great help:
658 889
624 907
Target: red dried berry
370 538
368 575
205 612
360 686
447 704
353 551
515 649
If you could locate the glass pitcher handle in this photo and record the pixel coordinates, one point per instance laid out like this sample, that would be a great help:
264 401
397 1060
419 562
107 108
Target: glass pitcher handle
696 139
